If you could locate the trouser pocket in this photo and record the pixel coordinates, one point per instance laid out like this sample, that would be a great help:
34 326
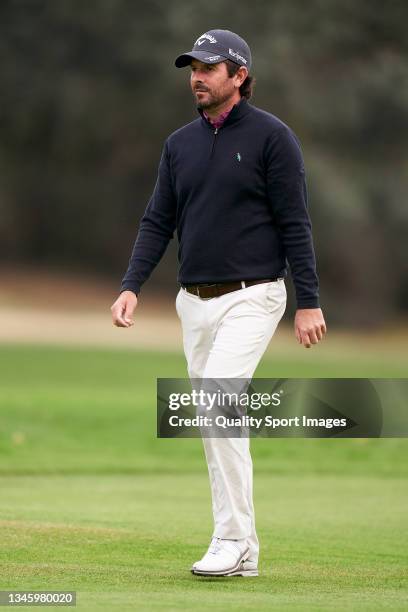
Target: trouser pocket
275 296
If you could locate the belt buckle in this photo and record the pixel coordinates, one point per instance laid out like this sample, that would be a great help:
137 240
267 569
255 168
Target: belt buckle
205 285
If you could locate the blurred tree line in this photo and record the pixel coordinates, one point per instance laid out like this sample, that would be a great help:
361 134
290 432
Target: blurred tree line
89 92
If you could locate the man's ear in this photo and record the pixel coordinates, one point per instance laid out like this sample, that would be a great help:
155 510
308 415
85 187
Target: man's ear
242 72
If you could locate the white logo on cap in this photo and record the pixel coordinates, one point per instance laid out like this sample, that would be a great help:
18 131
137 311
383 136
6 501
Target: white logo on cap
237 56
213 58
205 36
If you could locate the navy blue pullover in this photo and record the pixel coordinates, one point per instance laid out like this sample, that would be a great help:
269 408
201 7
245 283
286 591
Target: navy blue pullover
237 197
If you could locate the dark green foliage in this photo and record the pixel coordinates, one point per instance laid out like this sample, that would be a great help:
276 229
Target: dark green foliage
89 93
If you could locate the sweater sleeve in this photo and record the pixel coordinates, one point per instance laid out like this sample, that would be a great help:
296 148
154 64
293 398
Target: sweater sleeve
287 195
156 229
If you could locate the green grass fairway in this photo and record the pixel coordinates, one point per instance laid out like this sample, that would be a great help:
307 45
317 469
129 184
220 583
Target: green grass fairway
128 541
91 501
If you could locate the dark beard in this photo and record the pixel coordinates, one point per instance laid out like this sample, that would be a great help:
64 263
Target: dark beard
211 102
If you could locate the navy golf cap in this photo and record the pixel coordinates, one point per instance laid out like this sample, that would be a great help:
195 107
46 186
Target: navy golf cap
217 46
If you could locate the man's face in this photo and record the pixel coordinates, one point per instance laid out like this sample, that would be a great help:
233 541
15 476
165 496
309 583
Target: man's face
211 84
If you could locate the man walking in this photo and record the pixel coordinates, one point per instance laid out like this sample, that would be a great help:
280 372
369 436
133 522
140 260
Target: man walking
232 183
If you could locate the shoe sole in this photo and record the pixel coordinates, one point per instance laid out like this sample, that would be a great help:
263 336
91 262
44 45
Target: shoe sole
245 573
234 571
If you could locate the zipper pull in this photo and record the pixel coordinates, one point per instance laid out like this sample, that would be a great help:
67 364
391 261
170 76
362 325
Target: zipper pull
213 142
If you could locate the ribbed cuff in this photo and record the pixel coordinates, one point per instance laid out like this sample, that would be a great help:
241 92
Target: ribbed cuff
130 287
308 303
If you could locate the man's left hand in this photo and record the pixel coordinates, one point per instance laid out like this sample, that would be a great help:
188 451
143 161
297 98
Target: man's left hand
310 326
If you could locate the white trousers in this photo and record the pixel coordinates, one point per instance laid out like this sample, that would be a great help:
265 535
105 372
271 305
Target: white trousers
225 337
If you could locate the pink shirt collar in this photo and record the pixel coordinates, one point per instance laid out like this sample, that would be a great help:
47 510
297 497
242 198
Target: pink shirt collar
217 123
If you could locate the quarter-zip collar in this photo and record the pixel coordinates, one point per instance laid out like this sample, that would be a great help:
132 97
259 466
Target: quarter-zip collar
217 123
236 113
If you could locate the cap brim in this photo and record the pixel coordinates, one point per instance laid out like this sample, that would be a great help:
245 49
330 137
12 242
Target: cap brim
203 56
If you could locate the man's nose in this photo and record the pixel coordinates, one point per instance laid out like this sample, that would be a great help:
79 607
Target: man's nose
197 76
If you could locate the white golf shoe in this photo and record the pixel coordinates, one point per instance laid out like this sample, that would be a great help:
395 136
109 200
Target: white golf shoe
247 568
226 558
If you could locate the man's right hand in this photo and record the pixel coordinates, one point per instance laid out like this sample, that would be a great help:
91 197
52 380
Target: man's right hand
123 309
